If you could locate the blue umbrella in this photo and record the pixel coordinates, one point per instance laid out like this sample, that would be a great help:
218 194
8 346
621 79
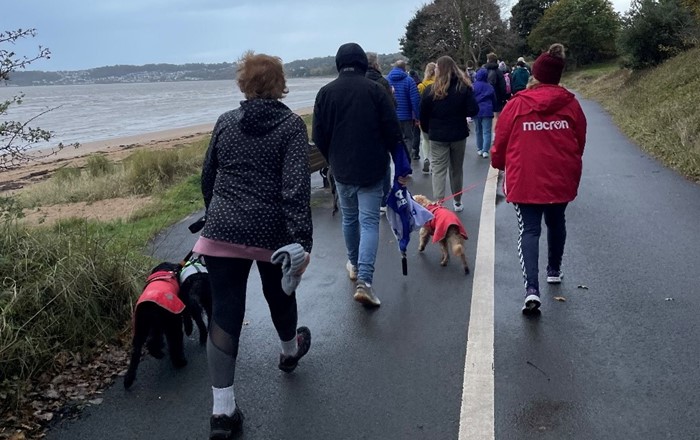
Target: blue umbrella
403 213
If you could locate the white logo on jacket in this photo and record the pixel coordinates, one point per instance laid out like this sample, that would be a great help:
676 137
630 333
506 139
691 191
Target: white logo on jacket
552 125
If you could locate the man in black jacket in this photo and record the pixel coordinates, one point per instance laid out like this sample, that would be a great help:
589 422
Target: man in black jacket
498 81
355 127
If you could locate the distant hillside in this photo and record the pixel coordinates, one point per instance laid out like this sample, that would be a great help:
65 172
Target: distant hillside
323 66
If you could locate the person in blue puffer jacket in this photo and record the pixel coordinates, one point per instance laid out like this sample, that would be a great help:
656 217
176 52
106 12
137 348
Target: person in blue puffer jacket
407 103
485 96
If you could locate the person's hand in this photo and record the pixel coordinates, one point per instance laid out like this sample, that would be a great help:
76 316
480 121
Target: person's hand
416 122
403 180
307 259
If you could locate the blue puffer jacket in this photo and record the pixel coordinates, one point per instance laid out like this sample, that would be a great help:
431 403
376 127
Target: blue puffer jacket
484 94
406 94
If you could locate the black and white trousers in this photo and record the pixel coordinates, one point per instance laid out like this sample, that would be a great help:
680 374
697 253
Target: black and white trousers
530 226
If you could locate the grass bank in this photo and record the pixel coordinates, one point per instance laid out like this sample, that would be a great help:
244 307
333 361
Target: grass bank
657 108
71 286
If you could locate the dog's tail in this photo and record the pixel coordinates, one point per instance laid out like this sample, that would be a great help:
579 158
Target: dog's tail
455 241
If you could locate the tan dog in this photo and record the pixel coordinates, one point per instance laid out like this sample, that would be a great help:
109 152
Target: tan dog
446 229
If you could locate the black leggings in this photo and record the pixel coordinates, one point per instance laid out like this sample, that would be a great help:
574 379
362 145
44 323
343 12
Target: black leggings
530 225
229 279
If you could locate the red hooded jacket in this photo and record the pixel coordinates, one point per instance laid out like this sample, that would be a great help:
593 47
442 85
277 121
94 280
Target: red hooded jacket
539 142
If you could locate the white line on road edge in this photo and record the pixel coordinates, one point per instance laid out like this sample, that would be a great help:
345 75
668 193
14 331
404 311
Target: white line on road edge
476 419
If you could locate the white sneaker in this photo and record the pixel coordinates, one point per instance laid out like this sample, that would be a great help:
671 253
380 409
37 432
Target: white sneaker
382 209
352 271
458 207
485 154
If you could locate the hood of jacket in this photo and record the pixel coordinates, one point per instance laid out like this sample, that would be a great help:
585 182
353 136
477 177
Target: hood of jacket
351 55
491 66
482 75
544 99
397 74
260 116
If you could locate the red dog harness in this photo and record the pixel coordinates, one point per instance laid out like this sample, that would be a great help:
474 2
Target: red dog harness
162 288
442 219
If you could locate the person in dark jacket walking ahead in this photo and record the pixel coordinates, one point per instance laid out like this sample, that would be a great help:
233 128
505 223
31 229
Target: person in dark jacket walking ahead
520 77
497 81
407 103
483 122
355 128
539 143
445 106
375 74
256 188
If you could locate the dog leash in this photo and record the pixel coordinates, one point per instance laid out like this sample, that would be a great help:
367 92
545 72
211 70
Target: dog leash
466 189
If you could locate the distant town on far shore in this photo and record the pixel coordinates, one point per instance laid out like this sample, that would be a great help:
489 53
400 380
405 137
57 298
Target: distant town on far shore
321 66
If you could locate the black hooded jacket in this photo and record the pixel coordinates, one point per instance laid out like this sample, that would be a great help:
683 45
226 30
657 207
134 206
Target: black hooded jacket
255 178
355 124
498 81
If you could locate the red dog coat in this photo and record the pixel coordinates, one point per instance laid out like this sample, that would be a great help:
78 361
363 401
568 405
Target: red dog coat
162 288
442 219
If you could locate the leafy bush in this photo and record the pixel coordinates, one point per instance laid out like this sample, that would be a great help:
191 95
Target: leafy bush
654 31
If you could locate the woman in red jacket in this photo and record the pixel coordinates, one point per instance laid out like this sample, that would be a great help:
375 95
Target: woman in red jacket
539 142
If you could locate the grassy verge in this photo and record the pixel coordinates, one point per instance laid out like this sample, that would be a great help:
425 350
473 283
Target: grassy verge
145 172
70 286
655 107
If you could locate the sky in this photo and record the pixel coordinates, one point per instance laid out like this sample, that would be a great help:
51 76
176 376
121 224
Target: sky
83 34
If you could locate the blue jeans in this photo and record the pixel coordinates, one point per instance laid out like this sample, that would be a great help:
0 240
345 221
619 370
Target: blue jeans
360 208
482 126
386 185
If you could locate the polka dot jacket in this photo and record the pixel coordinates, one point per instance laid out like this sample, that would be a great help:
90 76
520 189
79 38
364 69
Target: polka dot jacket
255 178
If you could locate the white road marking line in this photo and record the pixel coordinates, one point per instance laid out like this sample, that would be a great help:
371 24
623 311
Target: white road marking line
476 419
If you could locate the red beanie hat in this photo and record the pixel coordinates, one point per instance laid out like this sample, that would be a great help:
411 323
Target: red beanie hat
548 67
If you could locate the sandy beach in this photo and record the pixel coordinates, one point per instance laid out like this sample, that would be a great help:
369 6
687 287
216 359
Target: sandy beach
115 149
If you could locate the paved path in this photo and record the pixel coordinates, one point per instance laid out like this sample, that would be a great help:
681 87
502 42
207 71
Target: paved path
618 360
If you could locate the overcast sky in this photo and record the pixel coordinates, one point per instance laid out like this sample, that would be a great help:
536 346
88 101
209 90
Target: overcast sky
83 34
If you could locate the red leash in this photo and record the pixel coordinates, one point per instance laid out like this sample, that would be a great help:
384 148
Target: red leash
467 189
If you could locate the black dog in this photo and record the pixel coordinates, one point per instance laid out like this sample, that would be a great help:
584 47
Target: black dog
164 306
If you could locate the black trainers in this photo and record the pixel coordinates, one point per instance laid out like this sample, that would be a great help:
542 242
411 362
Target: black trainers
223 426
554 276
426 166
289 363
532 302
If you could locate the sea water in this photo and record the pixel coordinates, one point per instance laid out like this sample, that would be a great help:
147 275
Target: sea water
95 112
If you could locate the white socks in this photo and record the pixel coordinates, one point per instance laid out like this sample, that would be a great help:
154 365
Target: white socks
224 401
289 348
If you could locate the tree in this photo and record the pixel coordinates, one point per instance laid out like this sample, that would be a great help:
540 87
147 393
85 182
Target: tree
587 28
654 31
17 138
524 16
430 34
462 29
